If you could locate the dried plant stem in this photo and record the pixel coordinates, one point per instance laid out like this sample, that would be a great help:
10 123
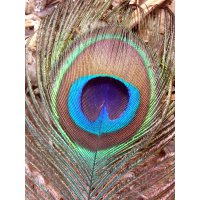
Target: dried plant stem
147 7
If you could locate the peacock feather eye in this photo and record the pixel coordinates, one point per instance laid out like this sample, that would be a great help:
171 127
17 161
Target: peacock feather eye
104 88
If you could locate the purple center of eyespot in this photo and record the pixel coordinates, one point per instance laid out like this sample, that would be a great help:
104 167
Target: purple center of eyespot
104 93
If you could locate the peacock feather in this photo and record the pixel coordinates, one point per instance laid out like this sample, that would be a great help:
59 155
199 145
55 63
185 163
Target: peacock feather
104 110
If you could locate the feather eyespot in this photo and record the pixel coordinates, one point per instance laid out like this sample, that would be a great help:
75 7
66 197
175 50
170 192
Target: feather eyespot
99 60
